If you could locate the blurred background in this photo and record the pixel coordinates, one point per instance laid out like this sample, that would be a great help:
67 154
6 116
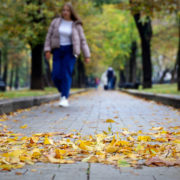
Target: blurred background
138 39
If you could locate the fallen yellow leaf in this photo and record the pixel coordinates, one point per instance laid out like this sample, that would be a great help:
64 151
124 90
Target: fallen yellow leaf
110 121
24 126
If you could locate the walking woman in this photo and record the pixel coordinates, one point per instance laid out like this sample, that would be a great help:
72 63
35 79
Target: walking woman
65 40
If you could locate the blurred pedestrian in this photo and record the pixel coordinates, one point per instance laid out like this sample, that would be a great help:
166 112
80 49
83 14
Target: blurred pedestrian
65 39
104 80
97 81
110 76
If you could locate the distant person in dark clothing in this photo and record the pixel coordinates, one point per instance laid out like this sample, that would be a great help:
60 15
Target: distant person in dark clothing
110 77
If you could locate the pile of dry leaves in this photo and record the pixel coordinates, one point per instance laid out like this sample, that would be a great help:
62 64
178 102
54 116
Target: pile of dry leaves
159 147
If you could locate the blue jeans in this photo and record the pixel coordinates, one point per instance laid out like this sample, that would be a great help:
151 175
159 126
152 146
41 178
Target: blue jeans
63 66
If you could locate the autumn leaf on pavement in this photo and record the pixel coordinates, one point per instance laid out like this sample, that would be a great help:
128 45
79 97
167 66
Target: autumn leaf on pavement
110 121
123 163
24 126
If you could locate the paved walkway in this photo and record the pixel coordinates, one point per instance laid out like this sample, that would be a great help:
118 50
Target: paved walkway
87 114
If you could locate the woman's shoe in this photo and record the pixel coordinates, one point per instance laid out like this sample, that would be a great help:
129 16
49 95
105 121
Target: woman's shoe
64 102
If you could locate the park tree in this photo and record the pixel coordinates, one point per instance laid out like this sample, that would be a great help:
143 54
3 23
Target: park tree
4 58
28 20
110 40
13 61
145 31
164 48
143 11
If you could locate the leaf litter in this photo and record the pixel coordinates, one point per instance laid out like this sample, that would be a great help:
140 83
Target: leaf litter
159 147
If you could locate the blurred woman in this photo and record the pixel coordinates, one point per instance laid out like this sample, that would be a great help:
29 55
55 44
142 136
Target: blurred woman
65 40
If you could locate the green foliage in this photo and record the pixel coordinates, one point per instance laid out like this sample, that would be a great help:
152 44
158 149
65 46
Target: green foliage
110 37
164 41
28 20
109 32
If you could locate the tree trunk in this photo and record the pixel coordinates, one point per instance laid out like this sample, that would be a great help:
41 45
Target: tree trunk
11 79
178 55
28 72
5 66
47 76
0 62
122 77
174 72
81 74
5 73
16 85
74 77
145 31
132 63
178 73
36 67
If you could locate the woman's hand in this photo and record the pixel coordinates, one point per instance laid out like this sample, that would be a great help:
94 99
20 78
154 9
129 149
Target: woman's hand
48 55
87 60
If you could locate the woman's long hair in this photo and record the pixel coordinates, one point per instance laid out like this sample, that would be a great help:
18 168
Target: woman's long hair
74 15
